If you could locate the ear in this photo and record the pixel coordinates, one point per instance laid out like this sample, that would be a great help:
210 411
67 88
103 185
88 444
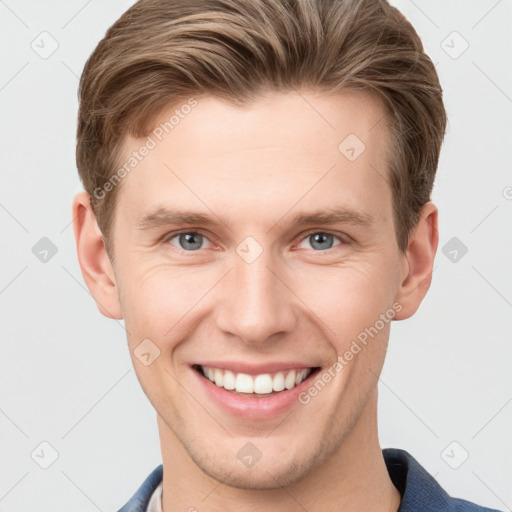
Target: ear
97 269
418 261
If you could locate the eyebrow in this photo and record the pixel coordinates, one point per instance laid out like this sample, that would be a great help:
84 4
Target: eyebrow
163 216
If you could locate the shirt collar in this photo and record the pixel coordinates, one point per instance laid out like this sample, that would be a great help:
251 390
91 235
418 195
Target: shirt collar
418 489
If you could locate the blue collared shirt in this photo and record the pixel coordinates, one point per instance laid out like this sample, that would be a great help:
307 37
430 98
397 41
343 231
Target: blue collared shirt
419 490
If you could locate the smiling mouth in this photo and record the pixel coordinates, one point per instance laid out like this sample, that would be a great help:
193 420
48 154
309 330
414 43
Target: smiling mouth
262 385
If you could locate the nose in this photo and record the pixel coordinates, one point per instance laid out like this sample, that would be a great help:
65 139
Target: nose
257 304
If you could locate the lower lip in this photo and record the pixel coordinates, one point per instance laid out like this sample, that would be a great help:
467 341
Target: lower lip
254 407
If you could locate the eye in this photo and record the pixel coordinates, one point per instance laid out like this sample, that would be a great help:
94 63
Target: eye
188 240
321 241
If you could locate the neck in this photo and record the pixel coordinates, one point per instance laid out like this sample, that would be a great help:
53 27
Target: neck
353 479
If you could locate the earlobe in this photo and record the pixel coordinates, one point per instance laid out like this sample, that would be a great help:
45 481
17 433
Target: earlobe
418 262
95 264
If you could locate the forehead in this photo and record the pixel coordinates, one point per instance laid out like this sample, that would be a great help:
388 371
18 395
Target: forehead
284 148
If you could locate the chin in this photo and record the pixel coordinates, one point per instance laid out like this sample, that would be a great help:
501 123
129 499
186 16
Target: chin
273 470
265 477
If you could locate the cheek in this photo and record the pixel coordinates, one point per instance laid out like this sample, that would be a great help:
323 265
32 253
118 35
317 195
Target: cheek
347 297
160 300
156 299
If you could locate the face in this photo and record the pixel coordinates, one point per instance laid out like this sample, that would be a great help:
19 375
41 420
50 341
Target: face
259 240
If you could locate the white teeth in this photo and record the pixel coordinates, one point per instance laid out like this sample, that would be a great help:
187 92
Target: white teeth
229 380
289 382
278 382
301 376
244 383
263 384
219 379
259 384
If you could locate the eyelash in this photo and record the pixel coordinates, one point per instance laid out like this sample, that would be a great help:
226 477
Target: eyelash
341 239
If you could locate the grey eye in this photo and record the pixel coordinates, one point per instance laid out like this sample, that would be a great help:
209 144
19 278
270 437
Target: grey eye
321 241
189 241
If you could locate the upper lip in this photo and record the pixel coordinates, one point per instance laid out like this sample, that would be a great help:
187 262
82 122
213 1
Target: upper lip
255 369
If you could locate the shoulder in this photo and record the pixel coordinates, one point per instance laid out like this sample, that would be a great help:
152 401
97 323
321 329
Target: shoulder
139 501
466 506
419 489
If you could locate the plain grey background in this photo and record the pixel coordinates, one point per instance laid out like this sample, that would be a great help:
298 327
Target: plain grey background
66 376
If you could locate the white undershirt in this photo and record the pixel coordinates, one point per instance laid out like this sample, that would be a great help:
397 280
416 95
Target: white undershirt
155 502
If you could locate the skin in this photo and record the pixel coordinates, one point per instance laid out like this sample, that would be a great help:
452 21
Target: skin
256 167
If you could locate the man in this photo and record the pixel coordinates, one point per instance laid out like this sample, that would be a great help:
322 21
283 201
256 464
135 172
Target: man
257 209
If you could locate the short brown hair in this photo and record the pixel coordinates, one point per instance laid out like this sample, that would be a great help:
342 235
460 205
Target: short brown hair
162 51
